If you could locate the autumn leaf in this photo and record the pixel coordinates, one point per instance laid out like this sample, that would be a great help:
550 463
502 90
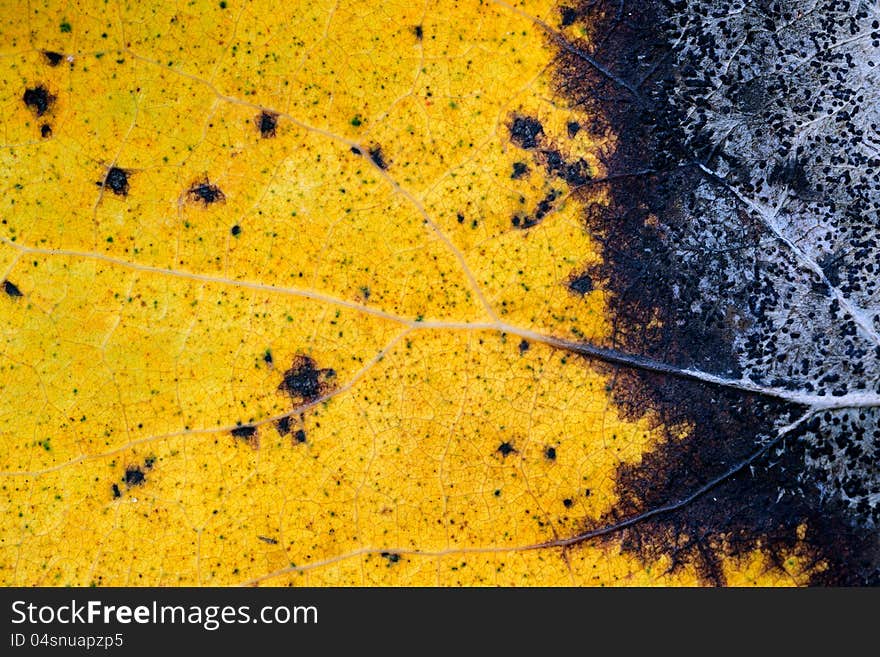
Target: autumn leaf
451 294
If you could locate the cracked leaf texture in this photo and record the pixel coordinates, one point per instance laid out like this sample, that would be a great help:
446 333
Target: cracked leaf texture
145 434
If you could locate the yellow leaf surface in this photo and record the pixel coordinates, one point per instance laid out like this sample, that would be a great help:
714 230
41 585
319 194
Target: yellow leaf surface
296 339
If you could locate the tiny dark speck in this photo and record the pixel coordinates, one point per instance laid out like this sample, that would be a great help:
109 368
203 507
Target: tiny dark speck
550 453
38 99
53 58
11 289
505 448
45 130
299 436
116 492
244 431
116 181
519 170
235 230
581 284
418 32
524 131
267 122
283 426
567 503
267 357
378 157
569 16
523 346
134 476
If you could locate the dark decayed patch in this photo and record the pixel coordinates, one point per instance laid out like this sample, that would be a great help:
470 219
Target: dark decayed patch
45 130
567 16
38 99
305 382
659 310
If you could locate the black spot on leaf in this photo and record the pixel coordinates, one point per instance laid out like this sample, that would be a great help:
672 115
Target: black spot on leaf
544 206
524 131
116 181
204 192
299 436
519 170
580 284
244 431
116 492
392 557
505 449
417 30
268 539
235 231
523 346
134 476
567 16
283 426
573 127
53 58
38 99
45 130
550 453
304 381
267 122
567 502
11 289
378 157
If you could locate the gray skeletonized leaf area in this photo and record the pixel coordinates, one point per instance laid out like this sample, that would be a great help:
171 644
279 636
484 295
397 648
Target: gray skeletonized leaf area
782 101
